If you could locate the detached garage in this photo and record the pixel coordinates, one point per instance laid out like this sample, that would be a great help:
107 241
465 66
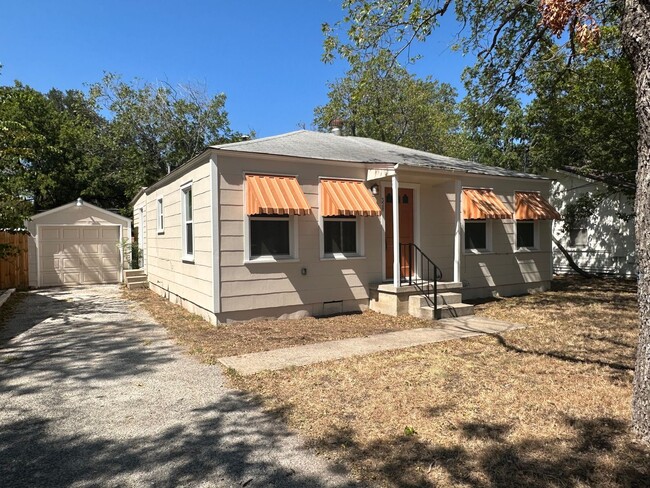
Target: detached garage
76 244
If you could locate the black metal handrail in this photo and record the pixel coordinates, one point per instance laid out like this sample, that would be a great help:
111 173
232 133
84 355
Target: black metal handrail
421 270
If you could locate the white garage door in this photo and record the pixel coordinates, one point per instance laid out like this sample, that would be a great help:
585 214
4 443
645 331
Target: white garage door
79 255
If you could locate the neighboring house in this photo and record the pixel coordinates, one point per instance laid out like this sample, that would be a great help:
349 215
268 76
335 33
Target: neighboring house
306 223
77 244
601 244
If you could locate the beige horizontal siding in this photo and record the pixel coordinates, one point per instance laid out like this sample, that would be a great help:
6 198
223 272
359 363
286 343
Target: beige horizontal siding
246 286
191 282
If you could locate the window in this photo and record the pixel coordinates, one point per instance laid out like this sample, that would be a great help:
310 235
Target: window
270 236
578 235
188 223
161 220
340 236
476 235
526 234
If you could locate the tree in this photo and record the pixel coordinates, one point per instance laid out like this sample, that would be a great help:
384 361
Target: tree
43 141
153 129
386 103
509 38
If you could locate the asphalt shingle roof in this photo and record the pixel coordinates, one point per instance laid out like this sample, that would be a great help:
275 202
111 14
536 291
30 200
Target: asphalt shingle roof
327 146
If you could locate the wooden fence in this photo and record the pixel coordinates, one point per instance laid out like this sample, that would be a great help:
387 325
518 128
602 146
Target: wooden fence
14 269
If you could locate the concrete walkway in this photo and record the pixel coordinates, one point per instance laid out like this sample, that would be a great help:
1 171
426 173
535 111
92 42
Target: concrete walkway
446 329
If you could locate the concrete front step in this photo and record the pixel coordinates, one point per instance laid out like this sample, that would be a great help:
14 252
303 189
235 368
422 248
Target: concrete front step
135 278
444 311
447 298
137 284
134 272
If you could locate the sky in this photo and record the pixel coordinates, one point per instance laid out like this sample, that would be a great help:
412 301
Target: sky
265 56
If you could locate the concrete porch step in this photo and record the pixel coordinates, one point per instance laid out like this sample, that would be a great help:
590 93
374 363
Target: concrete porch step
135 278
446 298
134 272
445 311
137 284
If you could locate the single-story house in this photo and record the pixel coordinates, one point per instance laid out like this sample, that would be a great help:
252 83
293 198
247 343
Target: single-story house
310 223
602 243
77 244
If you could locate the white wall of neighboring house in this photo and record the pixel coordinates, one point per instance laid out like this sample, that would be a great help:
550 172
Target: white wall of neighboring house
606 243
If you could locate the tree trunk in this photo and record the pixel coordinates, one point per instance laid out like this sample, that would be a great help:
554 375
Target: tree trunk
636 41
570 260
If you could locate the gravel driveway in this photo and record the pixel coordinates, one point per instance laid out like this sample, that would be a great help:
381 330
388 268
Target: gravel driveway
92 392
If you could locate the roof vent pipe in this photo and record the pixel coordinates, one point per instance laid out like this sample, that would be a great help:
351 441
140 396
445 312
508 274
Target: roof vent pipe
335 126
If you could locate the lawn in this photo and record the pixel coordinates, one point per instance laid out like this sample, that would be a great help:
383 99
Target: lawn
548 405
210 342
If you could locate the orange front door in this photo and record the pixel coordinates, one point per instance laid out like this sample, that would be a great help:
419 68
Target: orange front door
405 199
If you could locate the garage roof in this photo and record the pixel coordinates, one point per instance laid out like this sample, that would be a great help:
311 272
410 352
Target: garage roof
81 203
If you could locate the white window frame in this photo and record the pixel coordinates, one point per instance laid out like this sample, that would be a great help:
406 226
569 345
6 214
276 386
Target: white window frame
186 256
581 226
359 229
536 240
160 215
267 258
488 236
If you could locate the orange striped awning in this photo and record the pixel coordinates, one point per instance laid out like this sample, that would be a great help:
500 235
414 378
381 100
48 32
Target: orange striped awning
346 197
530 205
479 204
275 195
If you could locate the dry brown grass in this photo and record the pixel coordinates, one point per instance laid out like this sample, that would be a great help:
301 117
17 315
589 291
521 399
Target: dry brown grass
210 342
548 405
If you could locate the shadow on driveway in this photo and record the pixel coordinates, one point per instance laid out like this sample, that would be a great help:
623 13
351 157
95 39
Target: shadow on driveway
94 393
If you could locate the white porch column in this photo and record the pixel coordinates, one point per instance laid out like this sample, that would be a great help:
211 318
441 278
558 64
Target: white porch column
396 253
458 244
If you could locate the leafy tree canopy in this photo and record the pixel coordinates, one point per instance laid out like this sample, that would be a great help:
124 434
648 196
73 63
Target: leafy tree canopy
388 104
102 146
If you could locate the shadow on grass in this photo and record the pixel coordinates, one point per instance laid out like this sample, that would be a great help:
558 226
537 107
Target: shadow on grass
487 458
562 357
565 289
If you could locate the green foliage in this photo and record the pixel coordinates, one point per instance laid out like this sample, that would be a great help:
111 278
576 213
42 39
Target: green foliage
39 148
534 98
8 250
383 101
153 129
587 120
103 147
409 430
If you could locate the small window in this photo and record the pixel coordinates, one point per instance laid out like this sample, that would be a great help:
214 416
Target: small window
476 238
161 218
578 236
340 236
270 236
526 234
188 223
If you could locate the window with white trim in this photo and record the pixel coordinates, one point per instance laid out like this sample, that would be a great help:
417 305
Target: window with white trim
477 235
527 234
160 221
270 236
340 236
187 218
578 236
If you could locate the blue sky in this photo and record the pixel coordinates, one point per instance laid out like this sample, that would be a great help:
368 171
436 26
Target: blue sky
265 56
